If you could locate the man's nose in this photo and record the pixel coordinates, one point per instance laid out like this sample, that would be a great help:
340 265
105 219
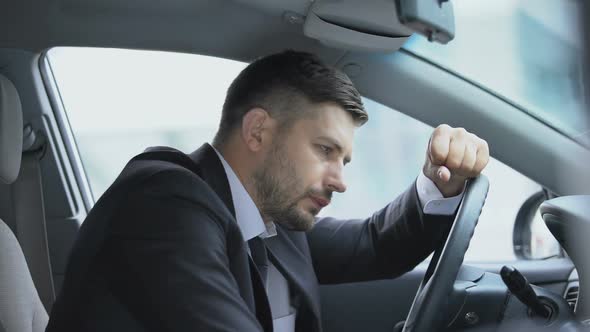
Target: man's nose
335 180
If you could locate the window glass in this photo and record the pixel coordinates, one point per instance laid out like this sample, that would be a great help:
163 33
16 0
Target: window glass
389 153
527 51
129 100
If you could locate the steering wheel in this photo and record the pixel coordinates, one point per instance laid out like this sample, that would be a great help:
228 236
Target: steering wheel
433 293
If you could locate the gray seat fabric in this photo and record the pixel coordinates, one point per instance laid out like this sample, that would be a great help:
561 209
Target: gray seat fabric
21 309
11 131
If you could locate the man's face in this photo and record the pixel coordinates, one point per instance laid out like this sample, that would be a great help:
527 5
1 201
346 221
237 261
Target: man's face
303 167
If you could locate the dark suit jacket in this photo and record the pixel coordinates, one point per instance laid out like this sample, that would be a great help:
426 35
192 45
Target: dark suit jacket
161 251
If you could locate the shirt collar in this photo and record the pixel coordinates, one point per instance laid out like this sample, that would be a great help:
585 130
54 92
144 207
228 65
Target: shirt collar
247 214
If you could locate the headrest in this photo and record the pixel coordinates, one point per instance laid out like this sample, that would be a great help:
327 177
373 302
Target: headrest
11 131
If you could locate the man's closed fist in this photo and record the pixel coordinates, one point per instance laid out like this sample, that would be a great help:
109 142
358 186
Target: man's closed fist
453 156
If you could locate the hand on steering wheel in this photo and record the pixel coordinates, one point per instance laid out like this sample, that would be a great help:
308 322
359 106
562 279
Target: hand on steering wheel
426 313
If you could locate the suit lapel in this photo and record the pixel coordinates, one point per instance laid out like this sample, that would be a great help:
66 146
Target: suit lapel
211 171
296 267
283 252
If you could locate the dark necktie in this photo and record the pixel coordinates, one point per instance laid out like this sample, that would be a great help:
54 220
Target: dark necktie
259 256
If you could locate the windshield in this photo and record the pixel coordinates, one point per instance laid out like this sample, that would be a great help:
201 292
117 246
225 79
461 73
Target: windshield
525 51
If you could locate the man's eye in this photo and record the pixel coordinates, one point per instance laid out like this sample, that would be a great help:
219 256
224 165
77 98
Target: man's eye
325 149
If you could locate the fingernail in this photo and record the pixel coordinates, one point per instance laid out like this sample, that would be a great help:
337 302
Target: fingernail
439 173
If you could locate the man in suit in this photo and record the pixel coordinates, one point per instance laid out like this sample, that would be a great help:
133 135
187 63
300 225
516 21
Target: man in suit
227 239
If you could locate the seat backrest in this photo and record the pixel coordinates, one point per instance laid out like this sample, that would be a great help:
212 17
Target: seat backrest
21 309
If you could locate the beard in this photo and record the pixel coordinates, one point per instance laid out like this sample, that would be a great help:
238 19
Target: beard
279 190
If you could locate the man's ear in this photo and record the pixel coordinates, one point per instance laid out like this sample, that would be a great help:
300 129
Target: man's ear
255 128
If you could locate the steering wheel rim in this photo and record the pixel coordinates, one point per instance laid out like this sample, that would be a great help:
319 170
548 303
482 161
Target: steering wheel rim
434 291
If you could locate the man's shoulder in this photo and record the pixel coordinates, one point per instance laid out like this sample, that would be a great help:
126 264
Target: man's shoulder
165 180
164 157
161 172
161 166
166 171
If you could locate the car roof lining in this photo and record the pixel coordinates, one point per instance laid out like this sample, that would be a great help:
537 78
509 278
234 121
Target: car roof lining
242 31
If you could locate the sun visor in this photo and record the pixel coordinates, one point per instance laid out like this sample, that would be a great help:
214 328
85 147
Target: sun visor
378 25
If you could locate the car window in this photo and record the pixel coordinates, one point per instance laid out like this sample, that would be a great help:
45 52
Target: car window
129 100
527 52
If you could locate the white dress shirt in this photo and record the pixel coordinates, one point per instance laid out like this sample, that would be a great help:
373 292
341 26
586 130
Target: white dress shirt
251 224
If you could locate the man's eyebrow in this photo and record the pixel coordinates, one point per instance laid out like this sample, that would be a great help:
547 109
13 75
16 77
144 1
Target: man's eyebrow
337 145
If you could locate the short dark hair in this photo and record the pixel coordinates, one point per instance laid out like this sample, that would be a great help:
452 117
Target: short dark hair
279 83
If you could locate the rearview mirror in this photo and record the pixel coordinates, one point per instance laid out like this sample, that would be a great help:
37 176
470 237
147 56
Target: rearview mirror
378 25
431 18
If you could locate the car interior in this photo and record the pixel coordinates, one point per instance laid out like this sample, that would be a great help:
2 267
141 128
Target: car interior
45 194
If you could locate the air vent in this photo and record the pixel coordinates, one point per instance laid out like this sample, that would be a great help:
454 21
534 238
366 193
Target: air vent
571 296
